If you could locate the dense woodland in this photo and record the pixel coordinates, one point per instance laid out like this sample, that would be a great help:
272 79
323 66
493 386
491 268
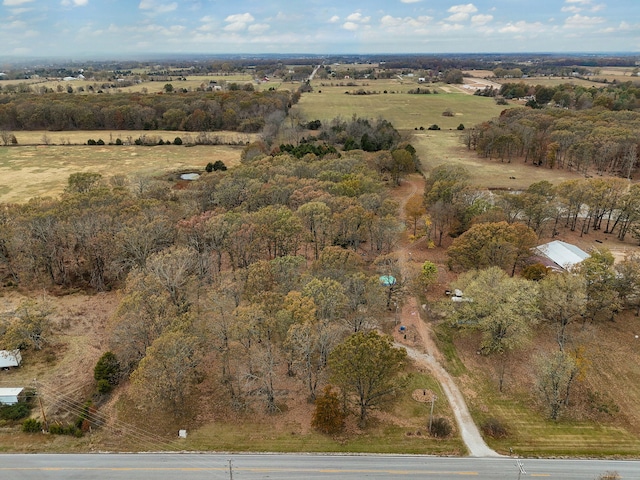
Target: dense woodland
589 140
245 279
239 110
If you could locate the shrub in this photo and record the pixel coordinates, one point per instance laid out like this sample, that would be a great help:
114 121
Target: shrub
103 386
441 427
314 125
91 141
107 370
215 166
460 127
56 429
15 412
100 142
118 141
434 127
177 141
31 425
328 416
494 428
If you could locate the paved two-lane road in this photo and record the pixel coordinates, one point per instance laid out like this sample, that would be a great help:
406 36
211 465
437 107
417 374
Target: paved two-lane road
297 466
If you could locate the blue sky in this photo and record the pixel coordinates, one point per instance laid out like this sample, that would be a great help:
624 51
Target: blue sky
124 28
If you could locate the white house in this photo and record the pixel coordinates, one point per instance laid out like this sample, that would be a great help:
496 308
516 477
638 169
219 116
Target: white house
563 255
9 396
10 358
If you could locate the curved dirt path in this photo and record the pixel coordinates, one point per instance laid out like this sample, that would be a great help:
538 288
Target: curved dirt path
424 351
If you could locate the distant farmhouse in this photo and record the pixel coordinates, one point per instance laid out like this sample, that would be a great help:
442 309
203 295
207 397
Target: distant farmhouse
559 255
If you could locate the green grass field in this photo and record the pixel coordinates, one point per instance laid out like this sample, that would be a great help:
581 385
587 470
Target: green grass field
405 111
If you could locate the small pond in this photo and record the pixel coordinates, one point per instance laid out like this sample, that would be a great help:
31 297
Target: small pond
189 176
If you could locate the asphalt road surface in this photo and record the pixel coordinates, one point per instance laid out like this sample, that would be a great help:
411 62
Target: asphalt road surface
299 466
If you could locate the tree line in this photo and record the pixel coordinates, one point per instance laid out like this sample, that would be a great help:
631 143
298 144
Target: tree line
602 140
236 110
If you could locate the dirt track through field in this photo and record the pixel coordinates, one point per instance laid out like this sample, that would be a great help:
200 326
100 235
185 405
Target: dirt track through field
426 353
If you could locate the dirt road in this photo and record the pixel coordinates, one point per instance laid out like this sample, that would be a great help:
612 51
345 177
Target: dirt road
419 342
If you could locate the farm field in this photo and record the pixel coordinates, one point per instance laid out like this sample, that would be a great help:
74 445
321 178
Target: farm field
405 111
42 170
148 86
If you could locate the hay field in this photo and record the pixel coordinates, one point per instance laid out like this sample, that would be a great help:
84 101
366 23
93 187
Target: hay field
405 111
43 170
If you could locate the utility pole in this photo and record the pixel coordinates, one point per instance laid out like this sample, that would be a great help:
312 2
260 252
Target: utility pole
44 417
433 400
230 470
520 468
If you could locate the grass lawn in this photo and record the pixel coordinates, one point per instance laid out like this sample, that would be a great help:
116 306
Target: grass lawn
603 418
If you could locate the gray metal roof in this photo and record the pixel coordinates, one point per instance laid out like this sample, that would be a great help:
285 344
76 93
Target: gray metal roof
562 253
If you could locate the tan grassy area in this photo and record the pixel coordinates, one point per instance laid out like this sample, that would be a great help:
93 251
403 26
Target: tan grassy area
612 355
80 137
32 171
439 147
191 83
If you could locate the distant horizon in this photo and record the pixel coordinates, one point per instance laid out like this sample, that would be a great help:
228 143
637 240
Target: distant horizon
126 28
151 56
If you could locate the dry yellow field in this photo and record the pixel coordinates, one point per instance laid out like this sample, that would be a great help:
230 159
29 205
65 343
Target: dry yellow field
43 170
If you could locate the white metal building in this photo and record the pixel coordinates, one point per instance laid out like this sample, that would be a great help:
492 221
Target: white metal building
563 254
10 358
9 396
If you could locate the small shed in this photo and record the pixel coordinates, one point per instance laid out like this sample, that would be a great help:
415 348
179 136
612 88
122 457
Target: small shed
562 254
10 396
10 358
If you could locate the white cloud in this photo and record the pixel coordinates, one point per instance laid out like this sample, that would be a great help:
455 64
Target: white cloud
582 21
74 3
358 18
238 22
258 28
571 9
15 3
521 27
410 1
240 17
460 13
403 24
334 19
481 19
351 26
623 27
155 7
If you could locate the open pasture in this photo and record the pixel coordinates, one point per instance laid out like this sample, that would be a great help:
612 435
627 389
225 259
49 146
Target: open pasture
80 137
149 85
43 170
438 147
405 111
